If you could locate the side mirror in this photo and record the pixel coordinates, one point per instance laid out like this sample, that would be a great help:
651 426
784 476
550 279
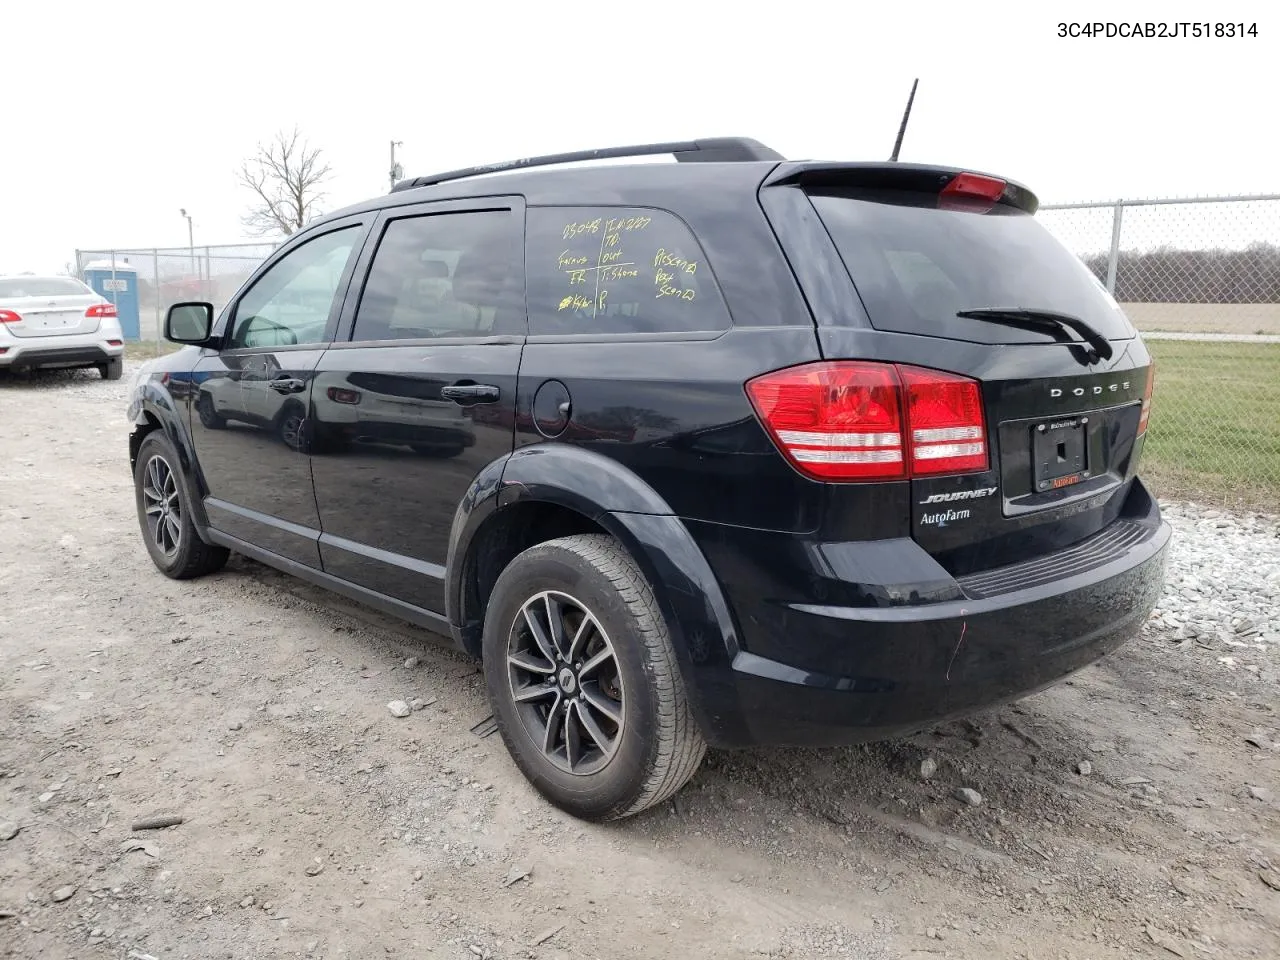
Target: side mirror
189 323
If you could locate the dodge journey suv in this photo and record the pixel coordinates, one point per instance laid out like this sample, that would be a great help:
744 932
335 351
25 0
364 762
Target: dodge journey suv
727 451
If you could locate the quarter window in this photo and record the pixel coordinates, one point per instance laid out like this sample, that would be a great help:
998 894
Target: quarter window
615 270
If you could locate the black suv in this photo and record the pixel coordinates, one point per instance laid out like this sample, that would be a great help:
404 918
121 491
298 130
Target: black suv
727 451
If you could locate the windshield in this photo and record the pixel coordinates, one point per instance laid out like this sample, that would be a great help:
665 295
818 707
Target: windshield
916 266
41 287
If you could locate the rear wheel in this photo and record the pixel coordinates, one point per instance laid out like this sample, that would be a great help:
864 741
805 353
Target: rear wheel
290 427
584 682
113 369
165 517
208 413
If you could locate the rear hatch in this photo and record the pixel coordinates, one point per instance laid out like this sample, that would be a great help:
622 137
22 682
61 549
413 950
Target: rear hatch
50 307
955 274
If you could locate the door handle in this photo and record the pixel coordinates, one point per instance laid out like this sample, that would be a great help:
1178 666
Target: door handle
287 385
469 393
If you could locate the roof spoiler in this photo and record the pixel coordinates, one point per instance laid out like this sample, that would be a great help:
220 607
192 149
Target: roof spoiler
711 150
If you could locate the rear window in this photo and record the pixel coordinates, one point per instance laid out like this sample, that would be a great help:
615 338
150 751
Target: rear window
42 287
915 266
616 270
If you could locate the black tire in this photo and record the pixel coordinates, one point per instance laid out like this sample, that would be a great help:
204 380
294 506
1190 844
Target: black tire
291 426
657 746
113 369
209 417
179 555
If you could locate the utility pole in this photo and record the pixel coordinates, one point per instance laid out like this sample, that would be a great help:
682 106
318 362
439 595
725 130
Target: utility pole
396 171
191 240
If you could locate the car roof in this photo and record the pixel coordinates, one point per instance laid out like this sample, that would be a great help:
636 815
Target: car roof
601 185
653 184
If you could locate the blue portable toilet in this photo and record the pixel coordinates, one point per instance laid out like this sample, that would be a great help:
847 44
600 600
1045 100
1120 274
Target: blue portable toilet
118 282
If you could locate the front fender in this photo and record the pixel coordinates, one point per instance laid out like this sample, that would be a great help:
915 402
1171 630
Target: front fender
153 407
597 487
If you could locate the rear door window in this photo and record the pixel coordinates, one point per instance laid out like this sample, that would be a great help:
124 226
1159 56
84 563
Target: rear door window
618 270
444 275
916 265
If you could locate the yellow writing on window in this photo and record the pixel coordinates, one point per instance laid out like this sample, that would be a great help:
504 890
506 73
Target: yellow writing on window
670 290
578 302
620 272
576 277
664 259
566 262
618 224
609 258
572 230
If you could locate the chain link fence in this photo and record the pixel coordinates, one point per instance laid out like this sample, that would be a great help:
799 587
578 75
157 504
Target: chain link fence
1201 279
168 275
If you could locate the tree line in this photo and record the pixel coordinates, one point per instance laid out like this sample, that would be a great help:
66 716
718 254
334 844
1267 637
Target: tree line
1170 275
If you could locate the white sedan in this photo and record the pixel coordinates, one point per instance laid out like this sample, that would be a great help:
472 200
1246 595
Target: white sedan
58 322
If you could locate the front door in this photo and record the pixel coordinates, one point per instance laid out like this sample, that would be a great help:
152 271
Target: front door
417 394
249 423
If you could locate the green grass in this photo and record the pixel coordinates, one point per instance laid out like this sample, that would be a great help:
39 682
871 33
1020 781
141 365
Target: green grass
1215 422
148 349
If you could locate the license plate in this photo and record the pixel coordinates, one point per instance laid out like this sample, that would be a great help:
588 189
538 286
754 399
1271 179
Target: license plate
1059 453
54 321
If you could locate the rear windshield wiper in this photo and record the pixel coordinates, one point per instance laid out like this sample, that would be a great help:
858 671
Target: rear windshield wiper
1015 316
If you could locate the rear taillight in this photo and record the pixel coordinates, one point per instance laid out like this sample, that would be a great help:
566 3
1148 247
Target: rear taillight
834 421
855 420
1146 399
101 310
339 395
948 434
115 343
8 316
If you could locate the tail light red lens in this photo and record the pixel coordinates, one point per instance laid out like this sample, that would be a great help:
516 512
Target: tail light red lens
102 310
834 421
1146 399
948 433
9 316
856 420
339 395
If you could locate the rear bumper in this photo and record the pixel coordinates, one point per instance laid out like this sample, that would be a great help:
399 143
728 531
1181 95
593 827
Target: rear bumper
73 350
842 674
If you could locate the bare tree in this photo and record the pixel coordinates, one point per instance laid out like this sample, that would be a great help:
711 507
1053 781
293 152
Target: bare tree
285 177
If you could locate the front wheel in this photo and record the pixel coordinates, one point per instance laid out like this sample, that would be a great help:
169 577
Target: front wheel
583 680
165 516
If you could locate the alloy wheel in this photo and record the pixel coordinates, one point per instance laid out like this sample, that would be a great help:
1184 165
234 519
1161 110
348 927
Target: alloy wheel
564 680
162 505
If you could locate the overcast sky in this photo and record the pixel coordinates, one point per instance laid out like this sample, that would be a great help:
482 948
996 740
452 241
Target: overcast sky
117 115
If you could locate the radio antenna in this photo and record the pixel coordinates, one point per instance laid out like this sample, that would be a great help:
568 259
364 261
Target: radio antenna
906 114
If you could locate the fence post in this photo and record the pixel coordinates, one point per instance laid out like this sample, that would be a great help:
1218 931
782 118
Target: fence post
1114 258
114 295
79 269
155 266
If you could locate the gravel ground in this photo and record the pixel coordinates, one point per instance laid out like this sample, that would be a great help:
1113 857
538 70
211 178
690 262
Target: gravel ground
1131 811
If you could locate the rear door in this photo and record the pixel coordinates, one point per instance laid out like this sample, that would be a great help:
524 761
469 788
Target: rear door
417 394
1062 424
249 421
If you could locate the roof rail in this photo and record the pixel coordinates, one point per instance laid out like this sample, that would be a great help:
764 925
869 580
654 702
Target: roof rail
715 149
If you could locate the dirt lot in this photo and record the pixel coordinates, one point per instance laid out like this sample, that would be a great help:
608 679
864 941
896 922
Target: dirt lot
317 824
